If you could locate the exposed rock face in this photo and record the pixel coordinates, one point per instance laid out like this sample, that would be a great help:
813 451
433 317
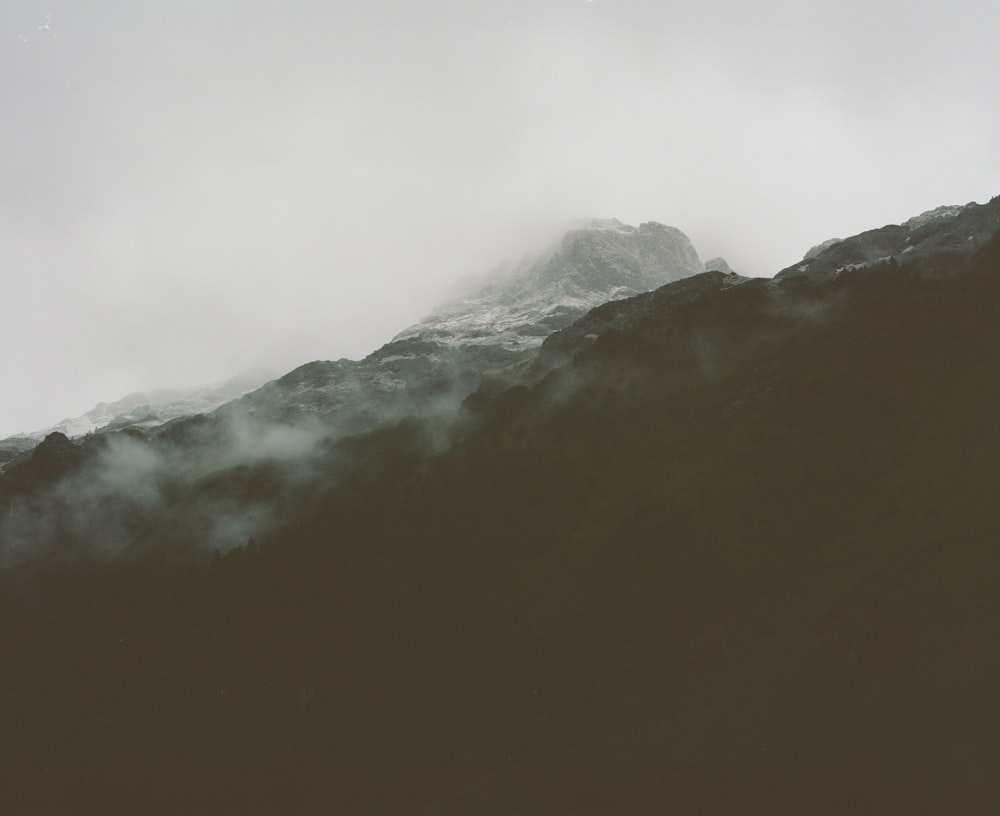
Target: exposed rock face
945 234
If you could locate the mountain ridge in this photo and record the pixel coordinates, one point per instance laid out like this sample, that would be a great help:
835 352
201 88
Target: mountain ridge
503 318
950 231
497 325
730 548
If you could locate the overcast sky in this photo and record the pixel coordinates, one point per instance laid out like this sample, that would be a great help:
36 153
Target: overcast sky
191 187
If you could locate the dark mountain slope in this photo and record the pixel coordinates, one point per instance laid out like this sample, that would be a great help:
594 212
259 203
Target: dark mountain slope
735 552
757 581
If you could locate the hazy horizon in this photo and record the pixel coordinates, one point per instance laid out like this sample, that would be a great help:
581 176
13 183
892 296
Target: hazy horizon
191 190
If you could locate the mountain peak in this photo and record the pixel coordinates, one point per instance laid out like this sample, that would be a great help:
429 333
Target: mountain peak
596 260
490 324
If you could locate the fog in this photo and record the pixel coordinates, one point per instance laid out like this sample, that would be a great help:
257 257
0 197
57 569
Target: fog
225 481
191 189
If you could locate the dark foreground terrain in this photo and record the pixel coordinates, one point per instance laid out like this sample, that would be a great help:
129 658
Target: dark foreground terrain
736 552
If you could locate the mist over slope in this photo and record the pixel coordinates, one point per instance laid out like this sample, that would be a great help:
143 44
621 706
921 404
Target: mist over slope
727 546
154 479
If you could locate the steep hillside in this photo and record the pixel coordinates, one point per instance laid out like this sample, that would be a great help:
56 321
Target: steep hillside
731 548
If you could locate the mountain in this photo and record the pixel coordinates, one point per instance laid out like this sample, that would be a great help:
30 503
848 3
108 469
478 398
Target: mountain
596 261
728 546
497 323
176 446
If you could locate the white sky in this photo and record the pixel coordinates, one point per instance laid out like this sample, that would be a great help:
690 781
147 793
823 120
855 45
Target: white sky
189 188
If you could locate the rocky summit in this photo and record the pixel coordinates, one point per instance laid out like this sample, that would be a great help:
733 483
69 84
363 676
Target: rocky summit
596 261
